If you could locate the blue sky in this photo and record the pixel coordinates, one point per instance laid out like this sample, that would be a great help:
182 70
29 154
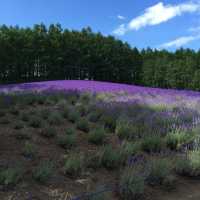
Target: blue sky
158 24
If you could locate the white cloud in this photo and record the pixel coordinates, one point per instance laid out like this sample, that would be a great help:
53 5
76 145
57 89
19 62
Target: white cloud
181 41
120 30
159 13
194 29
121 17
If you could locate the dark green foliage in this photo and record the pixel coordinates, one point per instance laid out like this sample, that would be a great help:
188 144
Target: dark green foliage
132 185
44 171
67 141
10 176
2 113
14 110
41 99
65 111
85 98
128 149
109 122
97 136
94 160
174 140
45 112
189 165
62 104
94 116
4 120
83 125
124 130
23 135
126 64
74 165
82 109
48 132
158 170
18 125
111 158
70 131
73 116
29 150
153 143
35 122
55 118
24 116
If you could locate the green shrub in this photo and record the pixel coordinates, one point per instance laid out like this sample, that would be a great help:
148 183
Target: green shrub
72 99
35 122
73 116
14 110
24 117
62 104
55 118
132 185
110 157
32 112
85 98
48 132
41 99
45 112
189 165
109 122
44 171
74 165
4 120
124 130
97 136
67 141
10 176
18 125
23 135
158 170
66 110
174 140
94 116
29 150
2 113
83 125
70 131
82 109
152 143
128 149
94 160
29 99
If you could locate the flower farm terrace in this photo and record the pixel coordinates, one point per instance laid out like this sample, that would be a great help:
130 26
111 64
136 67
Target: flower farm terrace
90 140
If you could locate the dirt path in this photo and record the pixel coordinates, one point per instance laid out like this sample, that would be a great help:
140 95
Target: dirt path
185 190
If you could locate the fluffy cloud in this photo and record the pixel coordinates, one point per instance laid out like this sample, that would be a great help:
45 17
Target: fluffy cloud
181 41
121 17
157 14
194 29
120 30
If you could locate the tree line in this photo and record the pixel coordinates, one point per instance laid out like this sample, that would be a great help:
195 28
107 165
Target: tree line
51 53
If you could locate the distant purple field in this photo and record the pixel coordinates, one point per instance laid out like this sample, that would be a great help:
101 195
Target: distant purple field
120 92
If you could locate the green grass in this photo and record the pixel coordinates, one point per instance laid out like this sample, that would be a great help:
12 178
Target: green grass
97 136
83 125
44 171
74 165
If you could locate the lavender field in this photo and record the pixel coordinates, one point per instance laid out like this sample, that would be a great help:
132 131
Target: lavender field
118 92
111 139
